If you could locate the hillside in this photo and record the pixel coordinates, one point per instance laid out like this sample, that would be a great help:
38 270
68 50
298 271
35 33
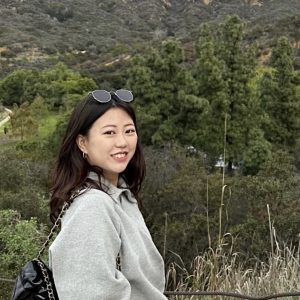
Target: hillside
86 34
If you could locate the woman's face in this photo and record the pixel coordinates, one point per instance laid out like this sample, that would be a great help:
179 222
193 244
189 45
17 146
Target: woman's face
110 143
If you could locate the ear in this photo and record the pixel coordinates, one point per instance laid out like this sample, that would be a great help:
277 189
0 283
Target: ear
81 143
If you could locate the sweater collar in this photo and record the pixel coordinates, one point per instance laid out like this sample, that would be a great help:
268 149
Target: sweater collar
116 192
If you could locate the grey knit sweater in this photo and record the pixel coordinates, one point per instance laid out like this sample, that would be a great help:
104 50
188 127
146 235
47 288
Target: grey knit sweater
95 228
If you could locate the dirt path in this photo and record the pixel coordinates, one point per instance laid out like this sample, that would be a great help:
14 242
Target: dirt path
7 118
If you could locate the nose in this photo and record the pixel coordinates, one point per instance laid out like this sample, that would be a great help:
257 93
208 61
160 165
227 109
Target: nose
121 141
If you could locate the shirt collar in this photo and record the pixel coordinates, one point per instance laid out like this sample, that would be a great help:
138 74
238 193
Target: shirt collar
116 192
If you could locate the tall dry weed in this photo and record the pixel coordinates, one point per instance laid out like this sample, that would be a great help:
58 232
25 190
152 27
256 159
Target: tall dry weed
217 270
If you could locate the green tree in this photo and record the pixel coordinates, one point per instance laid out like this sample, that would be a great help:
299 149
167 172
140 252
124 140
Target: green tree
280 99
208 72
51 84
22 122
18 87
60 81
224 71
244 134
39 108
164 91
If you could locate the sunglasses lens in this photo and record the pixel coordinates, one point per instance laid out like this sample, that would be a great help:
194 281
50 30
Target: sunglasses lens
101 96
124 95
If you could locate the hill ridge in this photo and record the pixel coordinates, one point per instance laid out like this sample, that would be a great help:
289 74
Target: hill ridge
55 28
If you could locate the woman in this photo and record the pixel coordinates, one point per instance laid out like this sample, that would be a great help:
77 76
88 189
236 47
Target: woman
104 249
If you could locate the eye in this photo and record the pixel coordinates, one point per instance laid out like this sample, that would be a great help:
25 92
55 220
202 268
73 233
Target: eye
130 131
109 132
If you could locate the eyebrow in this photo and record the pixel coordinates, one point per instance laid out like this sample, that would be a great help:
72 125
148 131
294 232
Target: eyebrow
129 124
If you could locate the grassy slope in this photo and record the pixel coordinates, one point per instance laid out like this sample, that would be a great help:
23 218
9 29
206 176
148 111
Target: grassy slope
47 125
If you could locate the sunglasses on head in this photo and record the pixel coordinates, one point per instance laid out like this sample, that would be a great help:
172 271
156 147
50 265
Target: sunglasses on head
104 96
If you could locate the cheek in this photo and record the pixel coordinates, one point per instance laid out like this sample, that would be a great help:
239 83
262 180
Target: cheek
99 147
134 143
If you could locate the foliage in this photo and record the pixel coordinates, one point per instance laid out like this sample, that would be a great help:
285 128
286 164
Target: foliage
59 11
192 104
280 99
39 109
19 242
276 186
22 121
23 185
60 81
165 102
177 196
17 86
55 138
244 137
182 202
208 72
52 85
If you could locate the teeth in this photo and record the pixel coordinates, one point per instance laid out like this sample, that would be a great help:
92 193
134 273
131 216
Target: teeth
120 155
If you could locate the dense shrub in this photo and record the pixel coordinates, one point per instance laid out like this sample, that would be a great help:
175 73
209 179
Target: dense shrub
184 211
19 242
60 11
23 186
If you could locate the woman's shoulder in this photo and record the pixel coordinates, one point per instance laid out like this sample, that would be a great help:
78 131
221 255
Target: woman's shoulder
90 206
93 198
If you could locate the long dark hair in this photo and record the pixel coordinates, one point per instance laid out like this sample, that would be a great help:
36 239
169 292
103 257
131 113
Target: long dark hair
71 169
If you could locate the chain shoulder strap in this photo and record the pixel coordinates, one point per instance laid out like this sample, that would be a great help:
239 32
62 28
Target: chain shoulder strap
49 285
57 222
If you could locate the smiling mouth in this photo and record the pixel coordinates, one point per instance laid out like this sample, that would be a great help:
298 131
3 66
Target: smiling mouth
120 155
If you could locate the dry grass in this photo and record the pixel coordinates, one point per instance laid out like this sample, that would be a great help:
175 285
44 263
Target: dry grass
219 271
